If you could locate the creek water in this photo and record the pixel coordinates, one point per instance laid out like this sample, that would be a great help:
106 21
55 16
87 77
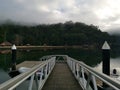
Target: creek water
91 57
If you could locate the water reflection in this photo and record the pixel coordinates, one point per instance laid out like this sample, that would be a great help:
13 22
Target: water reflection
90 57
3 76
5 51
114 63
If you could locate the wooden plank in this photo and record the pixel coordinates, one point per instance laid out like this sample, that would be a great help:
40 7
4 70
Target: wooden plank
61 78
28 64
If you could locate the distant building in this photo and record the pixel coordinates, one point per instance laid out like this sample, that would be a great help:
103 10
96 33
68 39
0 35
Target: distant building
6 43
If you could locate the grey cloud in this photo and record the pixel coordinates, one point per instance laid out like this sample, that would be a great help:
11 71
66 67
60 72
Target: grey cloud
52 11
112 19
24 10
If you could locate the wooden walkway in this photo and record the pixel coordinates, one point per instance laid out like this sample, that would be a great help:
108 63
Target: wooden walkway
28 64
61 78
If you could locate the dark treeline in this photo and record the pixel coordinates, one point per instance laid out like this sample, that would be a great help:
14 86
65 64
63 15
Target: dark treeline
67 33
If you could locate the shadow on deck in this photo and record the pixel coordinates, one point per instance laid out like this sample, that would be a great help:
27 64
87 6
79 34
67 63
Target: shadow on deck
61 78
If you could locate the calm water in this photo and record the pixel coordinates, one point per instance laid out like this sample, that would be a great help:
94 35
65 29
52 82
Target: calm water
90 57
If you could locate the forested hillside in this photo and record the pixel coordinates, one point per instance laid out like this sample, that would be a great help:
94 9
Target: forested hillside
68 33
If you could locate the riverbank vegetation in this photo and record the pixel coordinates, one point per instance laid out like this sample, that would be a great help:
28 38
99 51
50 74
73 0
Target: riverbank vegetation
65 34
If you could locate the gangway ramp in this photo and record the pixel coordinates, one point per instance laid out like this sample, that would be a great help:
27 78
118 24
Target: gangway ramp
53 74
61 78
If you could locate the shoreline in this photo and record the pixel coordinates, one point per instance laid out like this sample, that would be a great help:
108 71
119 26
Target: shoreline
49 47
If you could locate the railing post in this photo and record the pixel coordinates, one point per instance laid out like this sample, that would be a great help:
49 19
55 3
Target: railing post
88 81
49 66
31 82
71 65
74 68
94 82
83 77
41 75
36 79
46 69
77 69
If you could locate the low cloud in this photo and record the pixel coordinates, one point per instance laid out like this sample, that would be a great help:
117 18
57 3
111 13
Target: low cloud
102 13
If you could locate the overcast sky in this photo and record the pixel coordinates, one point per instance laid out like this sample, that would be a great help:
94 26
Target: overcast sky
102 13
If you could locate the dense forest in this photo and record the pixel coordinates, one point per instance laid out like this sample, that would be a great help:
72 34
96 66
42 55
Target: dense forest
67 33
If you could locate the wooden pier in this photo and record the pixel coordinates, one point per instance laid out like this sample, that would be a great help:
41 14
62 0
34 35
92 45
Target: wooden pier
61 78
28 64
53 75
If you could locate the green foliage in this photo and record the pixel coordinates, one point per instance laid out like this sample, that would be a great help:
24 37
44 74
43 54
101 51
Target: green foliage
68 33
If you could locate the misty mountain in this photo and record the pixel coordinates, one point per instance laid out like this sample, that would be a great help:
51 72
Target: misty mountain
67 33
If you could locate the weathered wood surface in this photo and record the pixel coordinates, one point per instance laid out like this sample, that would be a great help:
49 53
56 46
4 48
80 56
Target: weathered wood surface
28 64
61 78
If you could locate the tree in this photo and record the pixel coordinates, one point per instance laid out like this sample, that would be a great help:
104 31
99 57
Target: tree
68 33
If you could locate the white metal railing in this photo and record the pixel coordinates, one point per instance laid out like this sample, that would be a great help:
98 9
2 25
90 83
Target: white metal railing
88 78
39 73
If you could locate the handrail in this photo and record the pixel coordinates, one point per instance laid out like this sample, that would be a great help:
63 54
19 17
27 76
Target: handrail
82 72
45 69
79 68
106 79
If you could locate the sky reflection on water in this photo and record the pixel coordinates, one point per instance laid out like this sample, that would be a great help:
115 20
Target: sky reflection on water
114 63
